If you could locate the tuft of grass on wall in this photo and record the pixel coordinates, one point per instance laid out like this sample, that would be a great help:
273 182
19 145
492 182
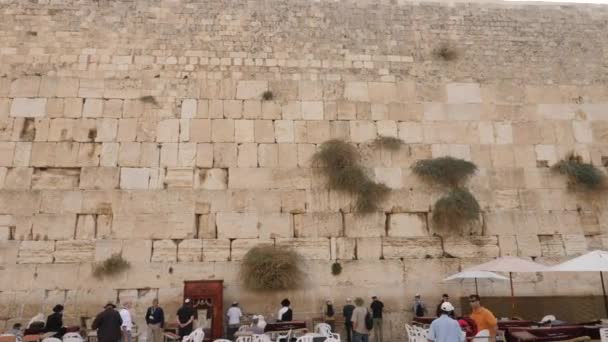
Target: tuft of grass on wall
446 53
340 162
267 95
112 266
446 171
265 267
149 99
580 173
389 143
455 209
336 268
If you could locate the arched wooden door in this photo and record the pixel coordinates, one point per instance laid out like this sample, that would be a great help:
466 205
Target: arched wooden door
207 298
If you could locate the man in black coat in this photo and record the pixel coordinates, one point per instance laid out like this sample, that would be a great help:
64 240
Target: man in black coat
107 323
54 323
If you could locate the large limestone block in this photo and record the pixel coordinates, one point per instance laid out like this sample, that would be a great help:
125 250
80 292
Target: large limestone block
274 225
343 248
190 250
211 179
551 245
240 247
104 249
411 248
164 251
222 130
269 178
250 90
369 248
179 177
318 225
383 92
472 247
574 244
237 225
54 226
309 248
168 130
368 225
362 131
7 153
134 178
77 251
9 251
356 91
95 178
407 225
26 107
18 178
36 252
510 222
85 227
154 226
27 86
463 93
137 251
216 249
389 176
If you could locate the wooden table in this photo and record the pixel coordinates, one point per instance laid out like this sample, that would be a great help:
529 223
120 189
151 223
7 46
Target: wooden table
38 337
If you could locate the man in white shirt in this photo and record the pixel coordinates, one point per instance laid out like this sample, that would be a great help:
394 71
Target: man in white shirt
127 322
234 319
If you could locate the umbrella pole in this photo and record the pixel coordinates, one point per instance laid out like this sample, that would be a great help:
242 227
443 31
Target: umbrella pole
477 289
512 294
604 290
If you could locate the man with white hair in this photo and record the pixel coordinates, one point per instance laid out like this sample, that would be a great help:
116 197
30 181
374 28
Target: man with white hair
127 321
445 328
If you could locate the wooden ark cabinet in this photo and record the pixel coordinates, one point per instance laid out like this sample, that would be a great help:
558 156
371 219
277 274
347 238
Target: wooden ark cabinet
207 298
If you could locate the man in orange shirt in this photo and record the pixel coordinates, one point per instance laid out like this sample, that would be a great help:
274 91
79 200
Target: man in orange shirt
483 317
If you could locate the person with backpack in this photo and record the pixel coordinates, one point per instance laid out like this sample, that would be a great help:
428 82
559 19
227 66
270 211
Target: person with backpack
419 308
362 321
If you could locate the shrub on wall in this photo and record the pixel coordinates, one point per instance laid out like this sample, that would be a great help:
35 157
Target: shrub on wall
446 53
341 164
389 143
446 171
112 266
459 206
336 268
265 267
580 173
456 208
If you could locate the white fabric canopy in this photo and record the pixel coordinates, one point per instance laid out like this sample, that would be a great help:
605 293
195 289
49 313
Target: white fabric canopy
596 261
509 264
475 275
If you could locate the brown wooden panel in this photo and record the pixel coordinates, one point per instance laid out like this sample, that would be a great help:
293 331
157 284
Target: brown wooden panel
214 290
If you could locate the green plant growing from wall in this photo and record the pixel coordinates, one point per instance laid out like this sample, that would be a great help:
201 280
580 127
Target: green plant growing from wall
110 267
458 207
446 53
389 143
265 267
267 95
149 99
336 268
580 174
341 164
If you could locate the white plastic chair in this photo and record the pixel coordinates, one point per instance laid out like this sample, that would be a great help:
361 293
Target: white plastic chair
260 338
325 330
482 336
243 339
197 335
306 338
331 339
72 337
604 334
221 340
51 339
286 337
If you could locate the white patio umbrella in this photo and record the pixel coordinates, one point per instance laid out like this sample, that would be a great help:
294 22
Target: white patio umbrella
510 264
475 275
595 261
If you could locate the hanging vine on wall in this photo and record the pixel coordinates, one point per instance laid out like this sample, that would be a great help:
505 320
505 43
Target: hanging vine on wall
265 267
336 268
341 164
580 174
459 206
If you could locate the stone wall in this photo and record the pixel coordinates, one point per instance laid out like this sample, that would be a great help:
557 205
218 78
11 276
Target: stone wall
139 127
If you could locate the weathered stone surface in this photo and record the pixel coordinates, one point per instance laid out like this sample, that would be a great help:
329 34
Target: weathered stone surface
240 247
237 225
92 178
54 226
411 248
164 251
318 225
407 225
316 249
216 249
78 251
36 252
190 250
26 107
371 225
276 225
472 247
56 178
369 248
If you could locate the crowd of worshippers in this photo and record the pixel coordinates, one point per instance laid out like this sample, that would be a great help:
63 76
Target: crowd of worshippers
112 325
449 327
